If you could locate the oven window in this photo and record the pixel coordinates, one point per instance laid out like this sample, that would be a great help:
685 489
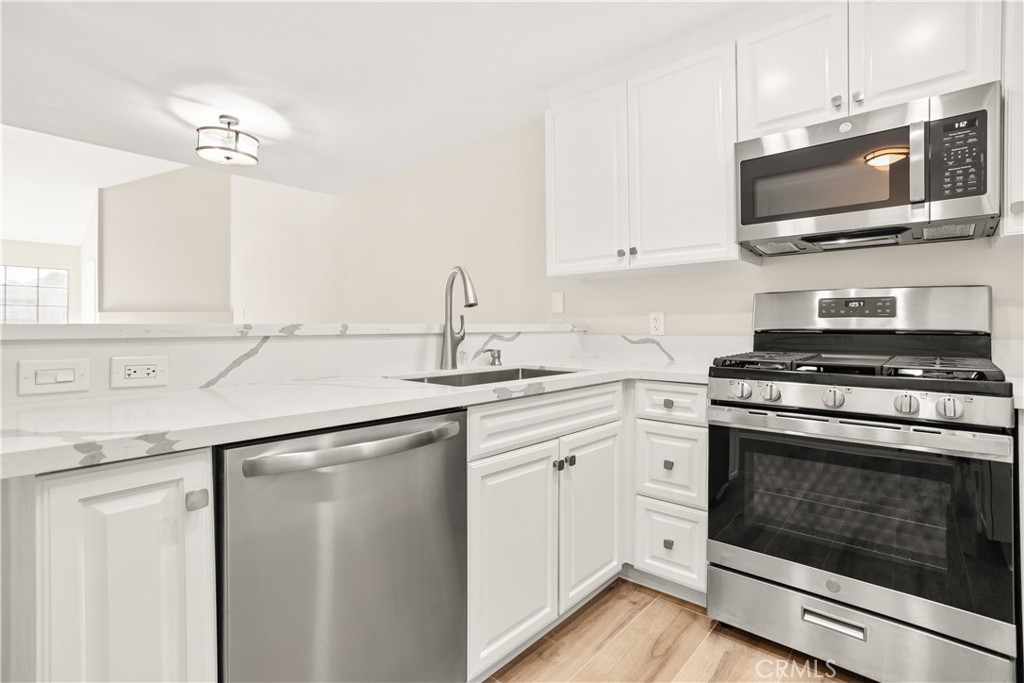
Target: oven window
934 526
830 178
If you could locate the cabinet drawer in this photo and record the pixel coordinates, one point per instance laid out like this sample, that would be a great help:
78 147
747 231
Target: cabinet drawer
669 402
503 426
671 542
672 462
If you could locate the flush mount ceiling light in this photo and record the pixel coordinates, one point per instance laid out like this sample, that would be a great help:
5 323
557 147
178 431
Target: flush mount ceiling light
226 144
883 158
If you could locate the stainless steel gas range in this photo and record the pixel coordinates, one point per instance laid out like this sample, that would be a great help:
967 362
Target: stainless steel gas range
861 484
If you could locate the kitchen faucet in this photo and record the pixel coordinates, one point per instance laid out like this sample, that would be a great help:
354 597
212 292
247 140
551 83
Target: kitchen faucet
450 339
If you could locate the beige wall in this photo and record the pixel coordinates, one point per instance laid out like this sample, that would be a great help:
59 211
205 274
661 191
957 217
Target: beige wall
287 254
41 255
483 207
164 248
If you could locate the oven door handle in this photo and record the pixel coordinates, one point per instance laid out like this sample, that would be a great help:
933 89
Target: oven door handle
973 445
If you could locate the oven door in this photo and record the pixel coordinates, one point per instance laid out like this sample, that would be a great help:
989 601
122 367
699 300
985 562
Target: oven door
860 174
909 522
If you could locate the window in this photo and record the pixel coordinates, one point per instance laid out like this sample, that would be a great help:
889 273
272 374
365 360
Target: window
33 295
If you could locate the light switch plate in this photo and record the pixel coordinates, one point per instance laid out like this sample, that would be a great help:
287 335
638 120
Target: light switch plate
27 370
138 371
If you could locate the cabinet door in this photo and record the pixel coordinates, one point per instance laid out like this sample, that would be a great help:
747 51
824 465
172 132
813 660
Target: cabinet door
671 542
126 573
513 550
901 51
589 512
1012 224
587 212
682 126
792 74
672 462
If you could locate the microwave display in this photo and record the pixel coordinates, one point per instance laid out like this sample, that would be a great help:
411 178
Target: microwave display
958 156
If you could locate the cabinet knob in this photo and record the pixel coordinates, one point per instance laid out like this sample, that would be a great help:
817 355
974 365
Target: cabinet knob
558 465
837 101
668 465
620 253
668 403
668 543
197 500
632 251
857 96
572 460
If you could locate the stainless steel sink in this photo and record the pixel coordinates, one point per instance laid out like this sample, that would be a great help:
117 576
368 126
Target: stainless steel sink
475 377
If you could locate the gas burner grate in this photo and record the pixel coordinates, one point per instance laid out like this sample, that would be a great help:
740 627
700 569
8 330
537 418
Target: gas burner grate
938 367
763 360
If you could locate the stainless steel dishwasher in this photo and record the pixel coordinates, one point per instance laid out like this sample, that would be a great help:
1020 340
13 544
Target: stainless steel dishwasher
343 554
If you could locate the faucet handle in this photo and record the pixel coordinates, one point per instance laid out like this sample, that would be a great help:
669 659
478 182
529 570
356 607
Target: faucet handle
495 356
461 333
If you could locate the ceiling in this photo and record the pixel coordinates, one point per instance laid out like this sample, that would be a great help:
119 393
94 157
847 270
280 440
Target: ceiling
340 93
50 184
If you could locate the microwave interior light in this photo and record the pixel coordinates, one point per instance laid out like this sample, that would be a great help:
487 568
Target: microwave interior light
883 158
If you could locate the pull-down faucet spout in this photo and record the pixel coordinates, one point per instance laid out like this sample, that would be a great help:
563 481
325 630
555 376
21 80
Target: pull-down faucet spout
450 338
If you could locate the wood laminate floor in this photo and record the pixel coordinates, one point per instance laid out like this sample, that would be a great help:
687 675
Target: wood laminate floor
632 633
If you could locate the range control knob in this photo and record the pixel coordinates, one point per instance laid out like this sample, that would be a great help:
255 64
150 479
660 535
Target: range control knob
833 397
949 407
906 404
741 390
770 392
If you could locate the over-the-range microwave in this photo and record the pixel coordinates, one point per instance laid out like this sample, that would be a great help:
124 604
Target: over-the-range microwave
924 171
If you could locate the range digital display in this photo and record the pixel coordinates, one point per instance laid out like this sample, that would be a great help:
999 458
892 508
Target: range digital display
870 307
855 303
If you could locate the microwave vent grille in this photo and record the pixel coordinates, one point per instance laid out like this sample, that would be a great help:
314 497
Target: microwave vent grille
948 231
774 248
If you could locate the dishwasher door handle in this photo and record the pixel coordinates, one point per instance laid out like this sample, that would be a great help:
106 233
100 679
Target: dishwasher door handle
284 463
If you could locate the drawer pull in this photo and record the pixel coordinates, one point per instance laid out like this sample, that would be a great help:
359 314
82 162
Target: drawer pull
669 464
197 500
668 543
668 403
833 624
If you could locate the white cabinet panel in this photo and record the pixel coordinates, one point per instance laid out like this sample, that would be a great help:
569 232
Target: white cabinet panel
587 203
685 403
503 426
126 573
671 542
789 73
1012 224
513 550
682 126
588 512
672 462
901 51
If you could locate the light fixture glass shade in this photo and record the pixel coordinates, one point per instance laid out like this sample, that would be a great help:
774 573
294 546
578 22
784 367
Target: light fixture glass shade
227 145
883 158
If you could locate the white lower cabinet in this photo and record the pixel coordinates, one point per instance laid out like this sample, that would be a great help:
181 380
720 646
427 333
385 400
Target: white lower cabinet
543 534
671 542
125 571
672 462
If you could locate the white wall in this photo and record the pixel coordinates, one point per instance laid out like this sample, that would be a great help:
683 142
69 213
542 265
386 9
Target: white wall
164 248
43 255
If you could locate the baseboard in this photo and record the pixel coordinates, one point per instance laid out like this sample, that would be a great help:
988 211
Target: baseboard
642 578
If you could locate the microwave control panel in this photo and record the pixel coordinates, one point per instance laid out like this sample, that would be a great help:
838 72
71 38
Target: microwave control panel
866 307
958 149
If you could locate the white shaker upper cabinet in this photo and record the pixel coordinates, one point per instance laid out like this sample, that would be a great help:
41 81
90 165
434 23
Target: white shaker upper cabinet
682 126
794 73
587 192
126 572
1012 225
901 51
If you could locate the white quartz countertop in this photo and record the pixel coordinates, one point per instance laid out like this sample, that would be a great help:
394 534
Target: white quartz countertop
41 437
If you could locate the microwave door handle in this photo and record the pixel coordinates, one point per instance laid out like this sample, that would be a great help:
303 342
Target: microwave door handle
918 162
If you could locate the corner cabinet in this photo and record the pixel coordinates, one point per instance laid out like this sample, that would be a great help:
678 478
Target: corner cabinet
544 525
640 175
848 58
125 572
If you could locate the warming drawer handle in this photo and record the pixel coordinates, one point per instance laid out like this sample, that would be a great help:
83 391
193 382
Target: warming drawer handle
284 463
834 624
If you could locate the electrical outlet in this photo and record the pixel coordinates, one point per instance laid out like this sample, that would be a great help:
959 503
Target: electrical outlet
657 324
138 371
